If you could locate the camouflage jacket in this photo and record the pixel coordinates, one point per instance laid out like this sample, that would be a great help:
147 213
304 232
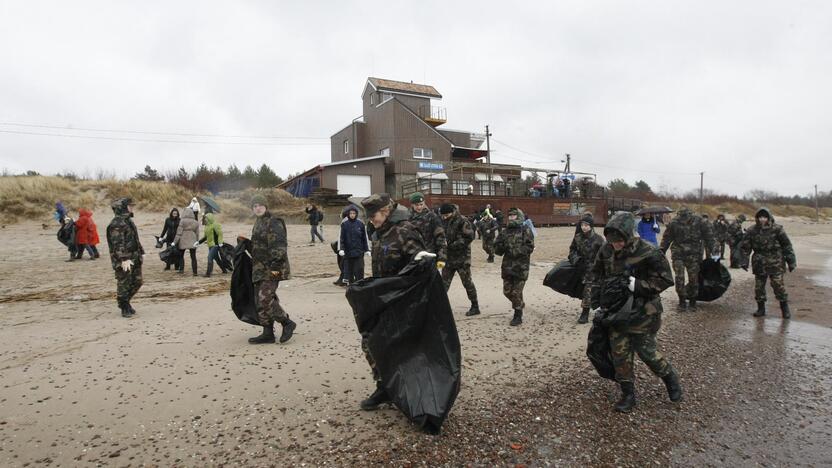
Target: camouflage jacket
459 234
123 240
269 249
584 248
720 229
395 243
430 226
771 246
515 244
645 263
735 232
489 228
686 234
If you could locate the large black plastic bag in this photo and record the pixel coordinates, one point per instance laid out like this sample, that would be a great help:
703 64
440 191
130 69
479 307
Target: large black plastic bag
714 280
227 256
242 289
617 303
598 348
737 259
412 336
567 278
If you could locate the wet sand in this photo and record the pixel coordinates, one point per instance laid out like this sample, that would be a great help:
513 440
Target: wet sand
179 384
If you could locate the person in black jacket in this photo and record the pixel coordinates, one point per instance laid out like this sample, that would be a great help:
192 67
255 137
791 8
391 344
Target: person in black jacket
315 216
168 234
352 247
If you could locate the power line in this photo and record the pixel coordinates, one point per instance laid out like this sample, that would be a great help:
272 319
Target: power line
158 140
146 132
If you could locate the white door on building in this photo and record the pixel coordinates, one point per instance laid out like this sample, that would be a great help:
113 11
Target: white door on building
357 185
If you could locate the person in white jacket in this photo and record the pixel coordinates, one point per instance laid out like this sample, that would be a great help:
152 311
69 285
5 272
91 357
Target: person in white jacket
194 206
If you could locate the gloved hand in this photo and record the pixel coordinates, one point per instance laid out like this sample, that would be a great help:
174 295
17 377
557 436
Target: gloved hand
127 265
440 264
632 285
792 267
341 253
715 257
367 253
196 244
423 254
275 274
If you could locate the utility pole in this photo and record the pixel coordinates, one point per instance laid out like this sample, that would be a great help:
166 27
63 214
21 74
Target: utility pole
817 210
701 190
487 145
568 160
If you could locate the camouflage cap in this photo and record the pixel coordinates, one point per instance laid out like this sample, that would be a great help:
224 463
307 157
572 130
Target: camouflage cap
741 217
258 200
375 202
417 197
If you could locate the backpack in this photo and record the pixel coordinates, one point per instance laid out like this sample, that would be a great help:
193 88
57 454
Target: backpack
320 216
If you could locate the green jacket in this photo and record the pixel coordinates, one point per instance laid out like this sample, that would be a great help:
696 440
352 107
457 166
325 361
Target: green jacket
213 231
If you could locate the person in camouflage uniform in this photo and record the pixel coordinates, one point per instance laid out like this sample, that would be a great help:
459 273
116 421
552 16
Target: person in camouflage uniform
584 248
735 235
515 244
773 253
490 230
395 243
647 272
720 228
459 234
126 253
430 226
684 237
269 266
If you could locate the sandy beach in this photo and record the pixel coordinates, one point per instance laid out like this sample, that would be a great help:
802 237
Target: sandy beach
178 385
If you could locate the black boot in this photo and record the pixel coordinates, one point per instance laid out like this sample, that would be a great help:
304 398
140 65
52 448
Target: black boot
131 309
761 309
288 329
518 318
490 259
266 337
125 312
784 309
584 318
683 304
375 400
692 303
474 310
674 389
628 398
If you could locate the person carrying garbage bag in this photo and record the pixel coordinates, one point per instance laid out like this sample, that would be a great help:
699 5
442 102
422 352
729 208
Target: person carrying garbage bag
213 236
584 248
647 273
515 244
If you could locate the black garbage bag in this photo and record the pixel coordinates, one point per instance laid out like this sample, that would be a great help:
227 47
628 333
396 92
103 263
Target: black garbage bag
242 289
567 278
714 280
618 306
227 256
66 234
169 253
598 348
737 259
411 334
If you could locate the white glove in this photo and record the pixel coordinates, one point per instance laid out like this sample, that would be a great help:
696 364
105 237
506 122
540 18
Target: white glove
196 244
632 285
127 265
367 253
715 258
423 254
341 253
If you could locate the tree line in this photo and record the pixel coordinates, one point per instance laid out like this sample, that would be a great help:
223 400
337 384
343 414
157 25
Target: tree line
215 179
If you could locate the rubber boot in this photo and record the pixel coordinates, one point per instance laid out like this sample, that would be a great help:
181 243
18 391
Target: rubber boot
517 319
692 303
761 309
490 258
266 337
674 388
288 330
375 400
628 398
125 312
683 304
131 309
584 318
784 309
474 310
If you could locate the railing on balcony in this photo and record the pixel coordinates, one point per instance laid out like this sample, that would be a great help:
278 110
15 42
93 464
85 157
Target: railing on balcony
433 115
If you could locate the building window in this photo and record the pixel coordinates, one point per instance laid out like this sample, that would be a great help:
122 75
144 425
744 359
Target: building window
430 186
487 188
346 147
460 187
385 151
422 153
372 98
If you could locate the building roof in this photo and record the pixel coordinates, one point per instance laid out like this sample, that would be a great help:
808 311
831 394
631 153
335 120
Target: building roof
353 161
402 87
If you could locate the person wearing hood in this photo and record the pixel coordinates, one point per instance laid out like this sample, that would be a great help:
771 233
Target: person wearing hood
169 234
60 212
187 238
720 228
194 207
735 235
684 237
584 249
269 266
396 242
459 234
429 225
490 232
352 247
213 236
773 253
66 235
86 237
648 228
515 244
125 254
647 273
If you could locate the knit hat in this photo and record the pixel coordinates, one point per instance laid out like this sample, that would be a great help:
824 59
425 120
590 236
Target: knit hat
258 200
446 208
375 202
417 197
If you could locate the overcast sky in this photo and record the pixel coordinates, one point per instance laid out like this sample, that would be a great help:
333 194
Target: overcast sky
658 90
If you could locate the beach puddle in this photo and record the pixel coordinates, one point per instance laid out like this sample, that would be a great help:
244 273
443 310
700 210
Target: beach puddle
801 337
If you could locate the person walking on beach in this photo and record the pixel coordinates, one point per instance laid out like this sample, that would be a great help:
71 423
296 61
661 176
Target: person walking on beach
168 235
684 237
430 226
187 238
352 247
194 207
515 244
213 236
314 216
582 251
459 233
125 254
86 237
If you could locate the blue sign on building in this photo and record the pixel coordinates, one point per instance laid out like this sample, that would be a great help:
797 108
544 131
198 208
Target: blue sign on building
430 166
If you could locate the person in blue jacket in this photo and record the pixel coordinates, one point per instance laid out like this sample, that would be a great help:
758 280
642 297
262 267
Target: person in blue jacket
352 246
648 229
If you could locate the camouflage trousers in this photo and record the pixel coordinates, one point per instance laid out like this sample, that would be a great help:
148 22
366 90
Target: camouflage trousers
464 275
586 300
513 291
778 284
625 345
488 245
128 283
365 348
267 303
691 264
